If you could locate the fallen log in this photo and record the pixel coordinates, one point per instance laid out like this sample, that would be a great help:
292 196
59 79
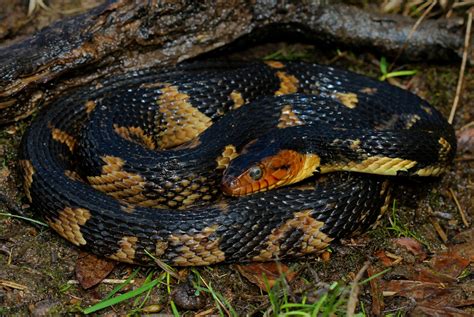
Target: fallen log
125 35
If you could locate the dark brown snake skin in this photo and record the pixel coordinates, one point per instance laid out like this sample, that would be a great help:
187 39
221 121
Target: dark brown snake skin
95 166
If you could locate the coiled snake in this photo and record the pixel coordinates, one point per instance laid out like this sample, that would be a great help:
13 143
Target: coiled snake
94 164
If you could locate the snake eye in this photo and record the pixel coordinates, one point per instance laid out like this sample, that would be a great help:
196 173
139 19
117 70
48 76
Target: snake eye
255 172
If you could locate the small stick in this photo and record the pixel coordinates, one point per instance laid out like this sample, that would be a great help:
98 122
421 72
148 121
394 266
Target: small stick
461 211
14 285
467 125
464 158
376 294
413 29
467 40
396 259
205 313
437 226
462 4
354 294
439 230
104 281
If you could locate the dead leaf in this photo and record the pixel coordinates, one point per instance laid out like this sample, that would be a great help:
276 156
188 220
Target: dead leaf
386 261
91 270
449 263
429 275
422 310
153 308
413 246
444 267
326 256
262 274
434 284
436 295
466 140
415 289
464 245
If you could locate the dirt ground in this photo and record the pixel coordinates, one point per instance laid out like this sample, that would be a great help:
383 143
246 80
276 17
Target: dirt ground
37 267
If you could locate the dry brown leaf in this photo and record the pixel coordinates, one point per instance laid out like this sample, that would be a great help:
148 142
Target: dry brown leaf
258 273
434 284
449 263
466 140
438 296
413 246
465 247
386 261
326 256
429 275
423 310
415 289
91 270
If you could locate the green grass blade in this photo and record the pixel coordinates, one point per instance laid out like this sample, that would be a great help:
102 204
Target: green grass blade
383 66
401 73
319 304
295 313
147 280
120 286
274 56
296 305
374 276
174 309
24 218
222 304
121 298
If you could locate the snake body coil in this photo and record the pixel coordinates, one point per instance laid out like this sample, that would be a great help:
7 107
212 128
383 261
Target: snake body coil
130 197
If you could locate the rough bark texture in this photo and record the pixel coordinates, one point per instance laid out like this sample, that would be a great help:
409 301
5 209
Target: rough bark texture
127 34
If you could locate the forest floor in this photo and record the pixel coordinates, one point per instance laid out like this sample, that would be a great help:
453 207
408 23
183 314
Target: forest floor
422 247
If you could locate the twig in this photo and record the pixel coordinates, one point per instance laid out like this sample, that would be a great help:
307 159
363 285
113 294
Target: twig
8 253
467 40
410 34
439 230
396 259
467 125
104 281
463 4
461 211
33 4
14 285
437 226
206 313
354 294
464 158
377 297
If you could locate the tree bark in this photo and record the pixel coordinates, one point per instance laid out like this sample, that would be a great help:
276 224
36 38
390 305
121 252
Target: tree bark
124 35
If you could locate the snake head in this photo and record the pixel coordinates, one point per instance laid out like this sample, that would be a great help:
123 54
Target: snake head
266 164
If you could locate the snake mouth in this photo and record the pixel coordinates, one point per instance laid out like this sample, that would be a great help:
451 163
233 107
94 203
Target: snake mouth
231 187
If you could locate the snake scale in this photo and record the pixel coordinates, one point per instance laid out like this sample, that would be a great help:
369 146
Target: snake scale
131 166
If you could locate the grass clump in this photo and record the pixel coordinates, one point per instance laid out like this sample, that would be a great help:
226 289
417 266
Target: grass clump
384 69
399 228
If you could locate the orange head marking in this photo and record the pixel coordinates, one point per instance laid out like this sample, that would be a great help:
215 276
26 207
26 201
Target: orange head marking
246 175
